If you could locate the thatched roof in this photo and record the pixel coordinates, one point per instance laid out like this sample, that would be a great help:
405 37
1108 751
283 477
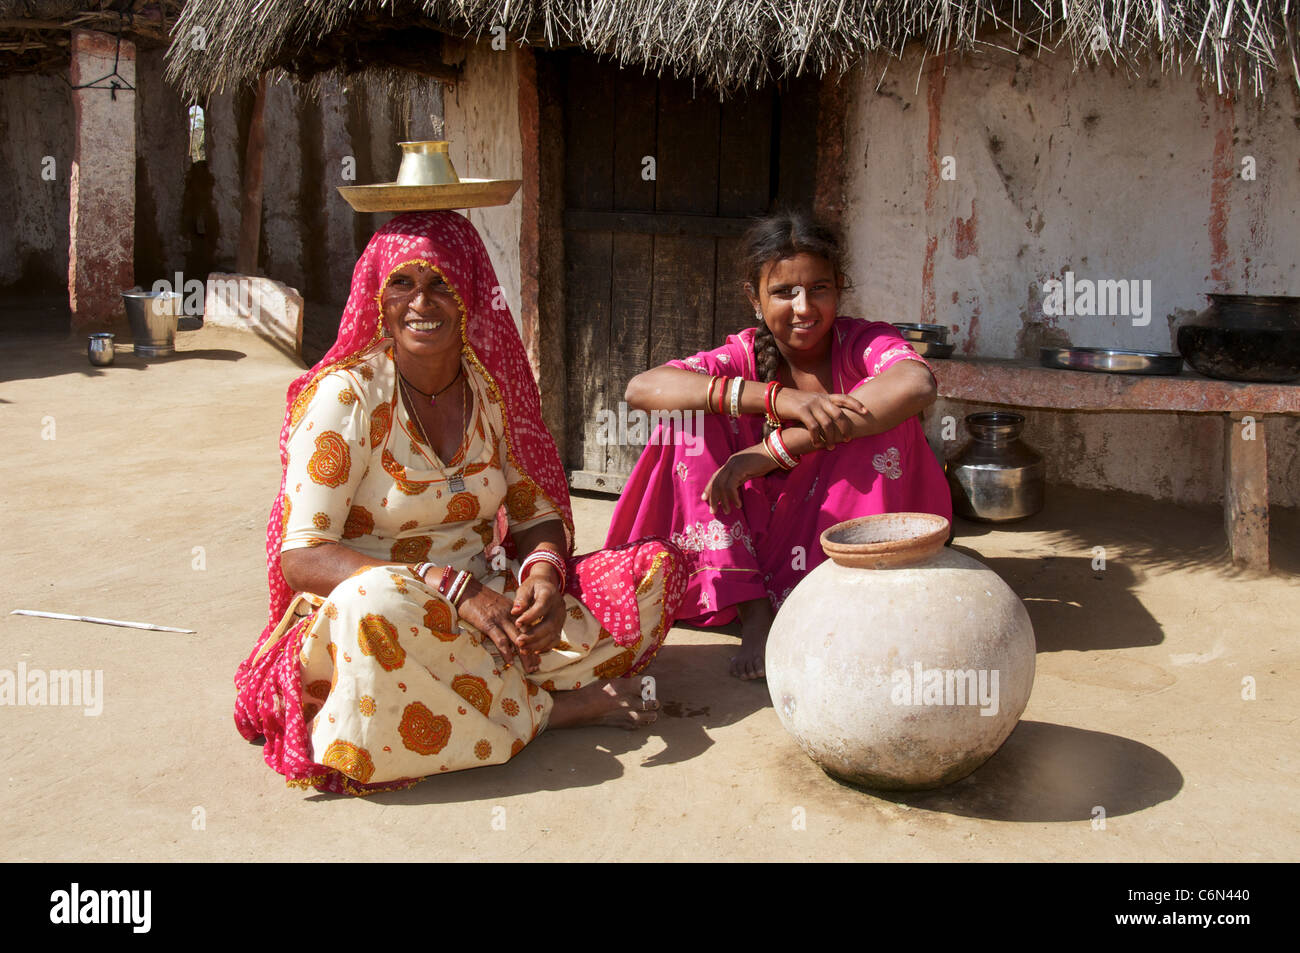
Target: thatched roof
1236 44
35 35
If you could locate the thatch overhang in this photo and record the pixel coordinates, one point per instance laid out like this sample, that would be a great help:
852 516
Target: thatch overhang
1235 45
36 35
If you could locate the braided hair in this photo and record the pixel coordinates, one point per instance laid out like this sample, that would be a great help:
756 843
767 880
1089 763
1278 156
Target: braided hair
782 235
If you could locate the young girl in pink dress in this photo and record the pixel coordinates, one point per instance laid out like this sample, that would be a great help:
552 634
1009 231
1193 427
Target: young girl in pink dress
748 510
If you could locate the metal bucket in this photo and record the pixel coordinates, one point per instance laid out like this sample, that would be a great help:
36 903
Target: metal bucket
100 349
153 316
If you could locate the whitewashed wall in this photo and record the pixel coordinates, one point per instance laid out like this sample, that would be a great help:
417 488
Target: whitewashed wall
1097 172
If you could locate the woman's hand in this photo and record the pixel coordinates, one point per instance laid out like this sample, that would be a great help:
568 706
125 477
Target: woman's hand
539 614
723 492
823 415
489 612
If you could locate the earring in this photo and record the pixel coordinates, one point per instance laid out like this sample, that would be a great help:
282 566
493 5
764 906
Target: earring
758 317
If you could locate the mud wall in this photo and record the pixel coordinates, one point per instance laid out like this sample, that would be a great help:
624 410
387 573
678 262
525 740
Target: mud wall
35 122
187 213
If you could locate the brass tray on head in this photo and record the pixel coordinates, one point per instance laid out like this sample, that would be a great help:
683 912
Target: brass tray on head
467 193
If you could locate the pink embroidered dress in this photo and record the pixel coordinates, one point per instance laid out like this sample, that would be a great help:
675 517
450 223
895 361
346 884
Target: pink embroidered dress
773 541
379 683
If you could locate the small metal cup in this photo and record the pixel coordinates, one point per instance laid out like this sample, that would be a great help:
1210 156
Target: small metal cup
426 163
100 349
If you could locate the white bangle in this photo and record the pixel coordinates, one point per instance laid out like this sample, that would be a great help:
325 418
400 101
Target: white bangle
545 556
736 384
421 569
457 588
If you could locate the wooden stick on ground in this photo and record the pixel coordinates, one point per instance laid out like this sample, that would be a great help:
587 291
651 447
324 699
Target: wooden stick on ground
86 618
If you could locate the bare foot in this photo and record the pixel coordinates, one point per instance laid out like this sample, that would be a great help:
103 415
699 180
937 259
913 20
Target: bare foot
749 663
617 703
755 621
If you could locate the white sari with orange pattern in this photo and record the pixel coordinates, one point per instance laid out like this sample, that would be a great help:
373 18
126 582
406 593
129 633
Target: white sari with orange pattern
394 685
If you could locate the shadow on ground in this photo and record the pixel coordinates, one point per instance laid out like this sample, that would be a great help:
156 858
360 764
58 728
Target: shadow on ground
696 694
31 358
1190 535
1074 607
1048 772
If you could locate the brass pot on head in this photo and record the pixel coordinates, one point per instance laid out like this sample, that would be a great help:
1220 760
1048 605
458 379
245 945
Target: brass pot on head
426 163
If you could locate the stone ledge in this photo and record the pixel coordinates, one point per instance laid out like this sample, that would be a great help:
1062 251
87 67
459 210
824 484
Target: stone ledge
1025 384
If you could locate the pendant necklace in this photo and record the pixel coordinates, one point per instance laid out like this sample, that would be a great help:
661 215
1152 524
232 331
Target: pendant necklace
433 398
455 481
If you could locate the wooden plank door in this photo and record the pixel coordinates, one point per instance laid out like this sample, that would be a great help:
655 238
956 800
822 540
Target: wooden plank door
660 181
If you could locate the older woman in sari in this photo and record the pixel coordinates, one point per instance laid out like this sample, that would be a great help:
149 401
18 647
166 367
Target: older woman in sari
414 644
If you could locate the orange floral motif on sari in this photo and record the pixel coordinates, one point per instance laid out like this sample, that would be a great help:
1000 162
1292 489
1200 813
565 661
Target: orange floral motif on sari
617 665
485 531
461 508
332 461
380 422
422 731
412 549
377 636
474 690
353 761
437 619
521 501
359 523
301 404
398 473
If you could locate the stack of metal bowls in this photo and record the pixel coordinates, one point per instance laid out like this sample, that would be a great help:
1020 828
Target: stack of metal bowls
928 340
1252 338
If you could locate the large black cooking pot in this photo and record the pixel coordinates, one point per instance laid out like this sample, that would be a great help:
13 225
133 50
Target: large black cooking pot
1254 338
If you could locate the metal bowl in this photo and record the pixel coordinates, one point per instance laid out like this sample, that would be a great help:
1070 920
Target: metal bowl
1111 360
937 333
932 348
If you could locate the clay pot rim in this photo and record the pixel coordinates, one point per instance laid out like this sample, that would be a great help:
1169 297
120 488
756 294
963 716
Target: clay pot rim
886 553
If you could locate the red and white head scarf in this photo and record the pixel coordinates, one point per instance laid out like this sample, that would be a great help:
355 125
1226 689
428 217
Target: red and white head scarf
448 243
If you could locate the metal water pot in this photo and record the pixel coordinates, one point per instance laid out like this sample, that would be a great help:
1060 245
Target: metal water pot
996 477
99 348
426 162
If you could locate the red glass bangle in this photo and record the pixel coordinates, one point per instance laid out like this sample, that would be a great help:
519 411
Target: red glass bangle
783 455
553 560
769 403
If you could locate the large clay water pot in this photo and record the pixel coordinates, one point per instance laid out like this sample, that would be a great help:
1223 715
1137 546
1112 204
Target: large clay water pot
898 663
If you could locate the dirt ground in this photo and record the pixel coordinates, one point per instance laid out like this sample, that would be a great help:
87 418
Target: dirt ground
149 503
